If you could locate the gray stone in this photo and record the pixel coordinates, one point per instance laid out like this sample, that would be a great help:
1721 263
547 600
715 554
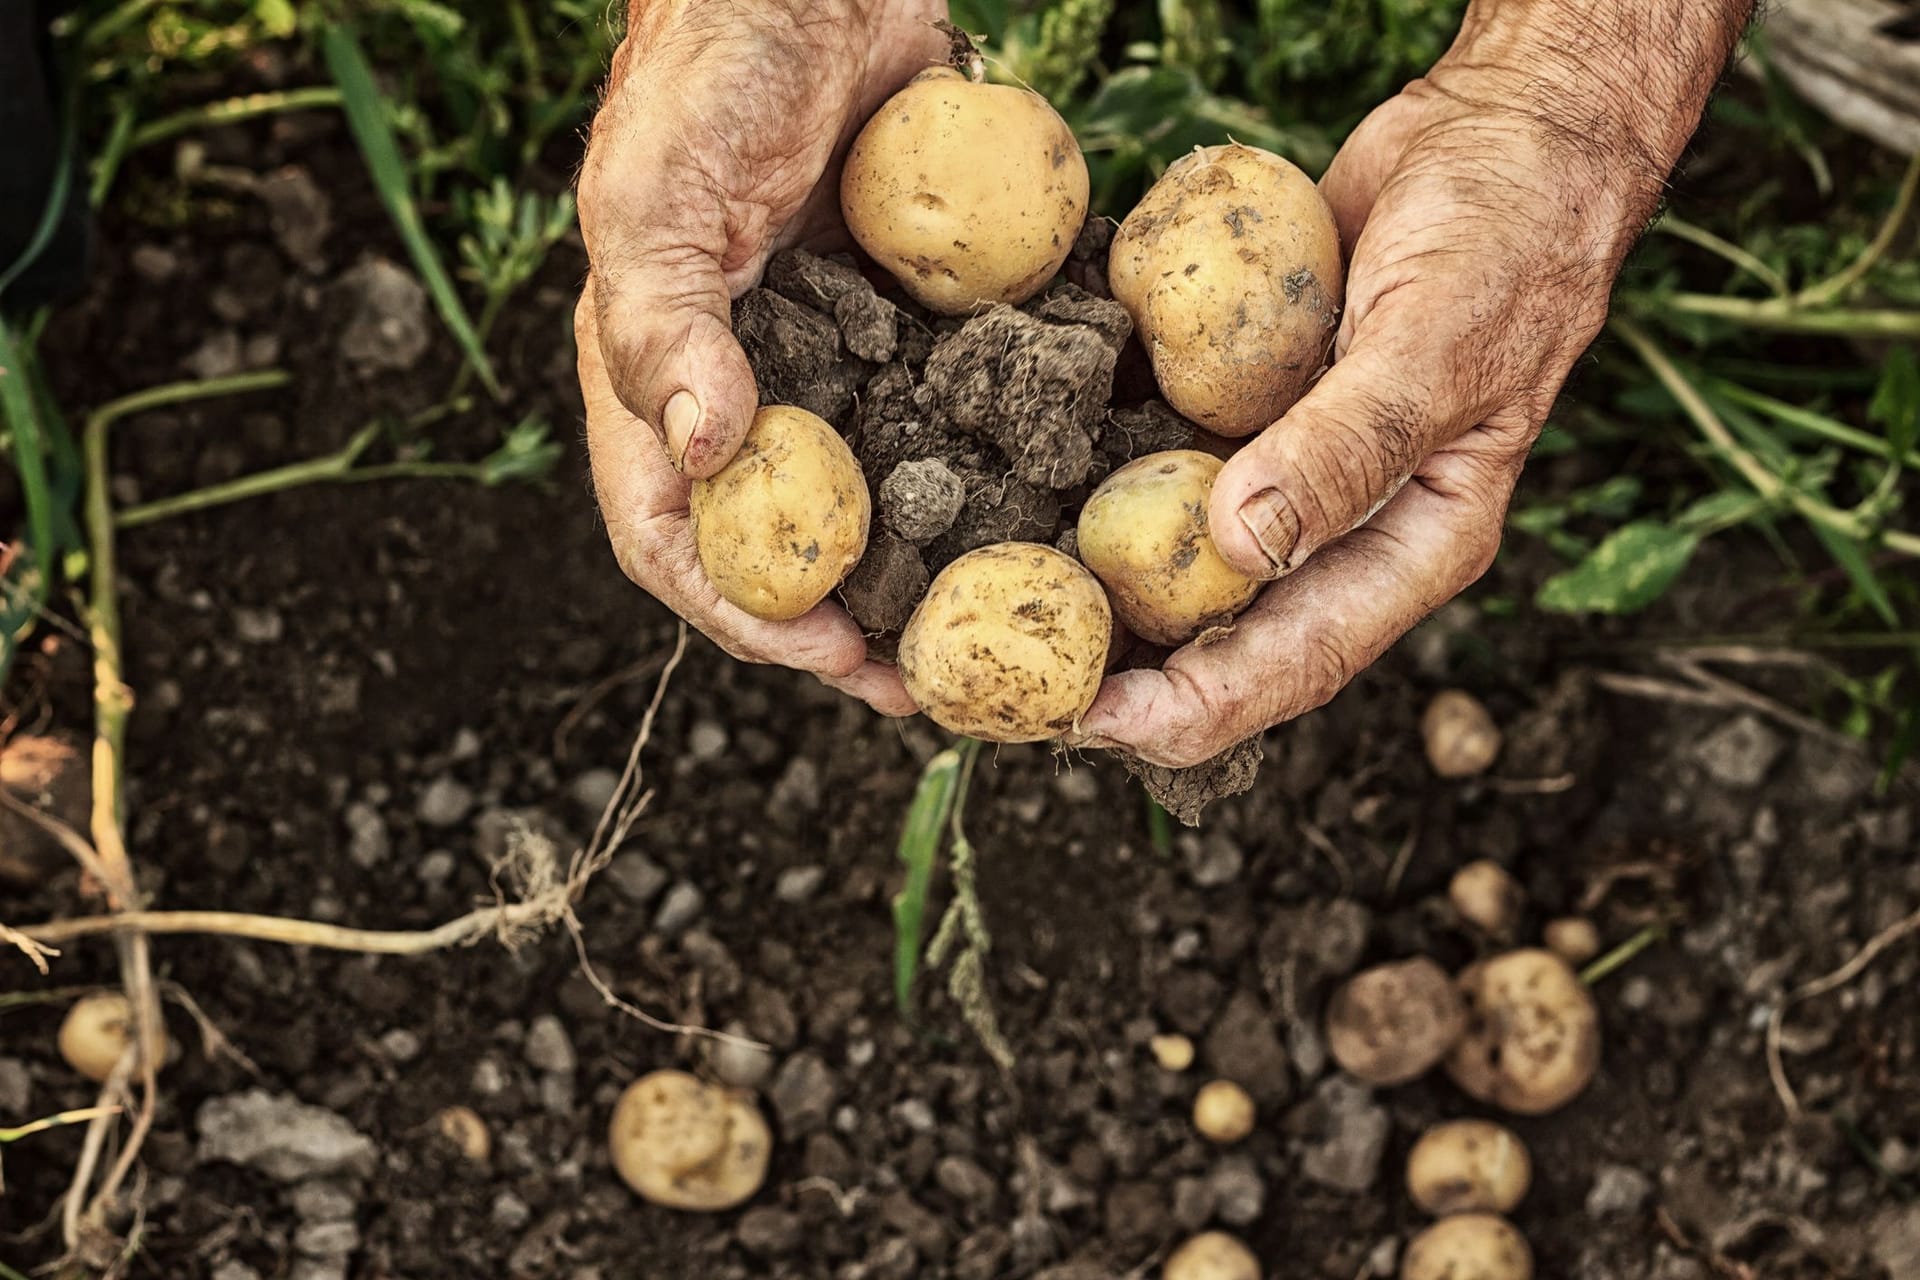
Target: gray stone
320 1200
282 1137
1242 1047
1192 1203
593 791
548 1046
964 1180
679 909
219 355
799 884
509 1212
258 625
1741 752
436 866
327 1239
1351 1136
740 1062
16 1090
156 264
319 1269
915 1114
796 793
1618 1190
1077 786
1894 1238
367 841
920 499
299 213
803 1093
769 1232
444 802
489 1078
400 1045
706 741
1239 1193
387 326
636 877
1212 860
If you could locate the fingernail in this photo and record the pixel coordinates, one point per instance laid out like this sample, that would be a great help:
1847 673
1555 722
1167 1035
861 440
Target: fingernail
682 416
1270 519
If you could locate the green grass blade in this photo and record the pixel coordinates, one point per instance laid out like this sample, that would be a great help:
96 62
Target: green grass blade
30 462
1159 825
919 849
1852 558
366 114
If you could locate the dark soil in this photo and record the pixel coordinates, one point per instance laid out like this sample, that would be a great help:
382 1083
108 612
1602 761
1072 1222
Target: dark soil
346 696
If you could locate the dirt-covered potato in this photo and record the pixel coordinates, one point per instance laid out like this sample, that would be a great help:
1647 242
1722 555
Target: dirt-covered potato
1572 938
1487 897
968 193
784 522
1009 644
1468 1246
686 1144
1461 738
1533 1035
1230 267
1212 1255
1391 1023
1144 535
1468 1166
1223 1112
96 1032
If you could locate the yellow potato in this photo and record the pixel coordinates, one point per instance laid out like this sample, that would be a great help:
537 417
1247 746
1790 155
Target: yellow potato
1212 1255
1487 897
1391 1023
786 520
1468 1166
95 1033
1460 736
1573 938
1009 644
1230 267
686 1144
1468 1246
1533 1035
969 193
1144 535
1223 1112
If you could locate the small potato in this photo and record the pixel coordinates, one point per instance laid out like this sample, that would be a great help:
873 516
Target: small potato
1172 1052
1390 1024
96 1032
968 193
51 773
463 1127
1223 1112
1573 939
1009 644
686 1144
1230 267
1461 738
1144 535
1487 897
1533 1035
1468 1166
1212 1255
1468 1246
786 520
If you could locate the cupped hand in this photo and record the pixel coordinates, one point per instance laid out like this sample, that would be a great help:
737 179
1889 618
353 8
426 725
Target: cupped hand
718 143
1484 239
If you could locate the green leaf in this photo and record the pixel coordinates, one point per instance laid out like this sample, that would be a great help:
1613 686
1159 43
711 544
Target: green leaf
1852 557
919 848
1631 569
1721 510
1896 404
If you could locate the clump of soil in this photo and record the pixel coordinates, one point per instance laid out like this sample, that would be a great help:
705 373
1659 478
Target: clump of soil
971 431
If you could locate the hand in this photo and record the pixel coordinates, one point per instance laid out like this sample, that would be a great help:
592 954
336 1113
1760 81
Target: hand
718 143
1485 226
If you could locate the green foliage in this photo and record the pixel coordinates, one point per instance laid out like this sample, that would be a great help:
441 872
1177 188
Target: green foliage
920 840
1629 570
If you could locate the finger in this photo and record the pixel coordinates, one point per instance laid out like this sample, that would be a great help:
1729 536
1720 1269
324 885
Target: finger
1309 634
878 685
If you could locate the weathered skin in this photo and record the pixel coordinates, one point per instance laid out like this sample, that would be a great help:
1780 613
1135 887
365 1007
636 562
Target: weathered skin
1009 644
686 1144
1230 267
969 194
1533 1035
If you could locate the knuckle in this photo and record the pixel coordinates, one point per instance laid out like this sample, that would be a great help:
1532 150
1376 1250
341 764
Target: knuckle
1326 667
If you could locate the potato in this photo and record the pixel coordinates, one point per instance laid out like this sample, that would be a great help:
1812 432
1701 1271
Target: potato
1173 1052
53 774
1461 738
686 1144
1223 1112
1009 644
1230 267
463 1127
1144 535
1487 897
1468 1246
1573 939
1533 1035
96 1032
786 520
968 193
1391 1023
1212 1255
1468 1166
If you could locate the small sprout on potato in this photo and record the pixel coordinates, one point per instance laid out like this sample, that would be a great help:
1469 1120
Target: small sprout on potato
1487 897
1212 1255
1573 938
1144 535
1461 738
1468 1166
686 1144
782 523
1468 1246
97 1031
1009 644
1533 1035
1223 1112
463 1127
1172 1052
968 193
1392 1023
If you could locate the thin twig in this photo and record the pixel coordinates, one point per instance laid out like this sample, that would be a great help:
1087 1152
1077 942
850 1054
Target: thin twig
1776 1023
37 952
1831 290
594 696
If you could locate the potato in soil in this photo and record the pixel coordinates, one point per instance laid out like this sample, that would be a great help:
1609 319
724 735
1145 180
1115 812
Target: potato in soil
1009 644
968 193
1533 1034
1468 1246
686 1144
1230 267
781 524
1144 534
1468 1166
1391 1023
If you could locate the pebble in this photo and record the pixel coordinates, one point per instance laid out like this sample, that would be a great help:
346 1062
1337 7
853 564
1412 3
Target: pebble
1740 753
367 841
319 1269
803 1093
798 884
444 802
1193 1203
387 326
155 264
509 1212
1618 1190
593 791
1384 1258
1136 1211
1353 1131
400 1045
548 1046
282 1137
738 1062
1894 1238
964 1180
915 1114
679 909
1212 860
1076 786
636 877
299 213
320 1200
796 793
1243 1048
327 1239
769 1232
706 741
16 1090
436 867
219 355
258 626
1240 1196
489 1078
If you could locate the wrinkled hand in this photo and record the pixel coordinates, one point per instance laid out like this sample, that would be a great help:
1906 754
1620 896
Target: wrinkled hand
1484 239
719 142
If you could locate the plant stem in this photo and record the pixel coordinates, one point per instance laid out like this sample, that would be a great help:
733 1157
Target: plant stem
1607 964
1832 289
1784 315
1815 424
233 110
1700 237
